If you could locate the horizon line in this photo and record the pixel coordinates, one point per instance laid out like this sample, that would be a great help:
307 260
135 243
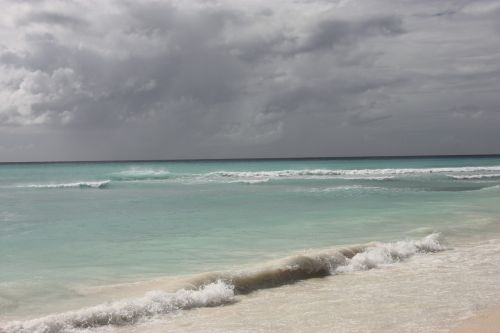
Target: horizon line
256 159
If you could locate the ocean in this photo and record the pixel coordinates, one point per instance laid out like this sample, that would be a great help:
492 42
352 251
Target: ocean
344 245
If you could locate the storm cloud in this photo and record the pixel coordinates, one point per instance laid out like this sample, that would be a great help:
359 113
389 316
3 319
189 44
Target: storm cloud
104 80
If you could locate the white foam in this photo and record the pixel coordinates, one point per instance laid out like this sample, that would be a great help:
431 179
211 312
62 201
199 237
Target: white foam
368 178
369 174
83 184
253 181
389 253
340 188
472 177
127 311
142 174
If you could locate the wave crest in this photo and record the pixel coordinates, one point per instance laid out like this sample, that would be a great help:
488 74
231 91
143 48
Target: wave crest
128 311
93 184
367 174
390 253
142 174
253 181
323 263
476 177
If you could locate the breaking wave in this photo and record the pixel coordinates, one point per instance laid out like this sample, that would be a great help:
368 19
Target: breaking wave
341 188
141 174
260 177
253 181
94 184
368 174
322 263
476 177
218 288
127 311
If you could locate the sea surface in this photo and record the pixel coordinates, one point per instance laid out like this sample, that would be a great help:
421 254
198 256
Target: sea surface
344 245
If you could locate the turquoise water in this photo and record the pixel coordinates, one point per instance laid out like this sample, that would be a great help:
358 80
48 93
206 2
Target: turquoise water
101 223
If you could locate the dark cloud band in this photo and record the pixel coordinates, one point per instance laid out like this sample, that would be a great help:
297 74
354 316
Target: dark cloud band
160 79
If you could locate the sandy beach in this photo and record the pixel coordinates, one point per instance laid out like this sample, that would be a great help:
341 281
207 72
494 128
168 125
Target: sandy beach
487 321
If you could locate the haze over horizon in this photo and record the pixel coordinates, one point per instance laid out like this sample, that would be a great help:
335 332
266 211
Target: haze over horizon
185 79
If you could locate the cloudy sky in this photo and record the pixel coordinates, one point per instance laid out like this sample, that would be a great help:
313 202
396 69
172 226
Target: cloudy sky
104 80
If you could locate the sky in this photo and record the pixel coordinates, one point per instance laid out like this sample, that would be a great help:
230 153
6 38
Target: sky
186 79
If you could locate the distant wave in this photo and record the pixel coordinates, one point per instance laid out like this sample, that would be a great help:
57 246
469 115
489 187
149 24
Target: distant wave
476 177
368 174
141 174
490 188
382 178
340 188
259 177
253 181
217 288
94 184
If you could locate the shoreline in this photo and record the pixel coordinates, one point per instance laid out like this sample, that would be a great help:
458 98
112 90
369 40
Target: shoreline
485 321
393 289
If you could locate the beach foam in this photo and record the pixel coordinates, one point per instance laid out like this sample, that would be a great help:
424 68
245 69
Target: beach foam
127 311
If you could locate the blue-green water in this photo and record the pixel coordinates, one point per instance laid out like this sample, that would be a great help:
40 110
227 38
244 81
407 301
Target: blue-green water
102 223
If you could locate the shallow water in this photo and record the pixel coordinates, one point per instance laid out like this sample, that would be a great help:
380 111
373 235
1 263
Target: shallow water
83 234
428 293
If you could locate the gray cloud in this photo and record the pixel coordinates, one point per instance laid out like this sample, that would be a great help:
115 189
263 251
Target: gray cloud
188 79
333 31
53 18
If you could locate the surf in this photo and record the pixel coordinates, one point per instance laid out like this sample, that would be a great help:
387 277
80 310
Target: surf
220 288
369 174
